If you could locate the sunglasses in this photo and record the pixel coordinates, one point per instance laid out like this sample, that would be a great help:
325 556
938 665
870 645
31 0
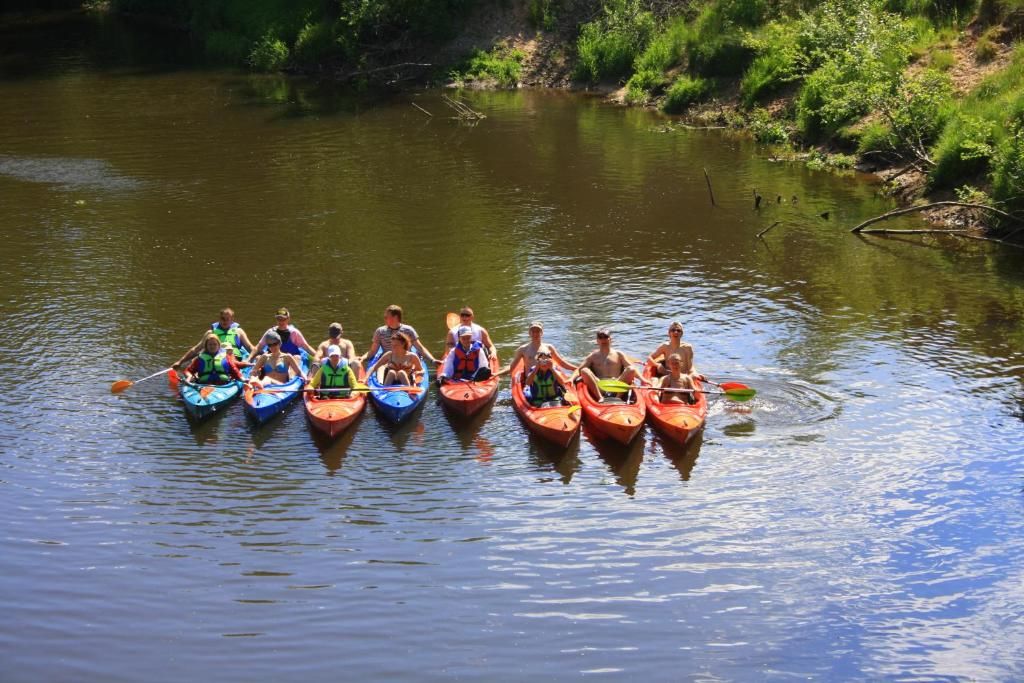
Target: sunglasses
465 315
273 343
675 330
603 336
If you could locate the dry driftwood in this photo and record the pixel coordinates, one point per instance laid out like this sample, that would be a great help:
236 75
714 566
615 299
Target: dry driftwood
922 207
768 228
463 110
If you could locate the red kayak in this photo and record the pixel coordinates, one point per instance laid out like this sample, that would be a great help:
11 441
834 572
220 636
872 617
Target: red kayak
678 421
466 397
615 418
332 416
557 423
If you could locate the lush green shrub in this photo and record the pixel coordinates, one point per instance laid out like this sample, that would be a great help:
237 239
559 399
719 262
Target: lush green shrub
986 49
666 49
767 129
1008 166
544 14
315 42
684 92
642 84
943 60
608 46
500 64
269 53
915 113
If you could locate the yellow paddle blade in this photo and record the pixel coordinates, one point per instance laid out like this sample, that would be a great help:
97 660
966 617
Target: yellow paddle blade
120 385
451 320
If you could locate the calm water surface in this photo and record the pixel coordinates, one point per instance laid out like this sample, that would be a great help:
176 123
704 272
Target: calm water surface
859 520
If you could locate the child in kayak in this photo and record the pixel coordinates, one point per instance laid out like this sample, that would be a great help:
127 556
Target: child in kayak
334 373
466 360
544 383
214 365
680 376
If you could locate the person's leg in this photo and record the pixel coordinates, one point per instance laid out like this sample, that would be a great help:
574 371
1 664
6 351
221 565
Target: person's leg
390 377
402 377
590 380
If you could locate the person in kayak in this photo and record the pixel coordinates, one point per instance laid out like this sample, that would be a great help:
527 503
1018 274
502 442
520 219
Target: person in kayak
335 372
544 383
659 358
480 334
275 366
466 361
334 338
401 367
604 363
228 331
288 335
215 364
393 325
528 351
680 376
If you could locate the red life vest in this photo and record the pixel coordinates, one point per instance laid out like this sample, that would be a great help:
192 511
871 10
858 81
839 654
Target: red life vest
466 364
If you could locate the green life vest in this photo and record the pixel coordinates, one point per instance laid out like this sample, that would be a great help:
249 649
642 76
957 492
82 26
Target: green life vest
335 378
213 369
544 387
229 336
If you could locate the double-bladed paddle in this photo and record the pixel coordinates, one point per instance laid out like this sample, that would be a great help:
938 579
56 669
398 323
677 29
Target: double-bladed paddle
736 394
122 384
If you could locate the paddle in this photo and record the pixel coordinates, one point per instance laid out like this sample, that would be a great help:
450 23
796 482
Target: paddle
407 389
204 389
734 394
122 384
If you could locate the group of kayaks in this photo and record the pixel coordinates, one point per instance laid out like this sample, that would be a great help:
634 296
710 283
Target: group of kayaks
619 418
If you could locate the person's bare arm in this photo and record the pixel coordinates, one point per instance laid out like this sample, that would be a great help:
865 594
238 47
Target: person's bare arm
562 361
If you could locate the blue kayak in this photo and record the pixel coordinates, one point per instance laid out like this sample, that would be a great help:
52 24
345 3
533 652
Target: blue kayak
395 405
203 400
265 404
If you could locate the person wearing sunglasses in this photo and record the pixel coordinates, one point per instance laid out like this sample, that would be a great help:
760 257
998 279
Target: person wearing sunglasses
529 351
659 358
393 325
227 331
275 366
215 364
480 334
605 363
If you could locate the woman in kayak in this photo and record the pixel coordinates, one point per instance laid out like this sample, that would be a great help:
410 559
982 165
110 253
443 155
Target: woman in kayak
215 364
680 376
401 366
275 367
288 335
545 384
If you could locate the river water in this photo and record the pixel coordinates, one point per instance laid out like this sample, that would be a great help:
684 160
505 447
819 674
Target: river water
858 520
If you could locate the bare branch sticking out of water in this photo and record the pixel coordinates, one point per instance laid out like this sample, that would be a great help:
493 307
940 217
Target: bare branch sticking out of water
463 110
768 228
923 207
422 109
710 192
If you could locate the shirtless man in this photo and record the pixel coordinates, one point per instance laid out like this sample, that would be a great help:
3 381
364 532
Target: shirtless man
334 338
605 363
528 351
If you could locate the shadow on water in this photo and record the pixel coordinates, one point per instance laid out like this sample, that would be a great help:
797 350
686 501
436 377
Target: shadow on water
467 429
546 455
411 427
332 451
623 460
682 456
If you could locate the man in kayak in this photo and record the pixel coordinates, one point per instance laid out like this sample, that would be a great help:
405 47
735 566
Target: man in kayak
604 363
227 331
528 351
544 382
392 325
215 364
480 334
659 358
335 372
401 367
334 338
466 361
290 337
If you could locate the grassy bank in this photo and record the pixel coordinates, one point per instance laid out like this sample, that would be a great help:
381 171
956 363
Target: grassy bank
932 85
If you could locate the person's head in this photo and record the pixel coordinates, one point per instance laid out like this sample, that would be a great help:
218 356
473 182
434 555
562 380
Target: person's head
399 341
282 316
273 340
227 348
226 317
543 360
211 344
393 314
536 330
466 315
603 337
675 330
334 354
465 335
334 330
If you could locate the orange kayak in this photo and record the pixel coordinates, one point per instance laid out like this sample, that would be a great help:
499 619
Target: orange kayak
558 423
614 418
678 421
332 416
465 397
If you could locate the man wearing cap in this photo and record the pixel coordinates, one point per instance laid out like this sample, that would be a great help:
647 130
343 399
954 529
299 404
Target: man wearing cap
528 351
466 360
479 333
292 340
334 373
605 363
334 338
392 324
229 333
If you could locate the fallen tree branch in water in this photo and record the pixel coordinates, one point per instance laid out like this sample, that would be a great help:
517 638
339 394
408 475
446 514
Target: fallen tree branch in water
422 109
391 67
930 231
462 109
768 228
923 207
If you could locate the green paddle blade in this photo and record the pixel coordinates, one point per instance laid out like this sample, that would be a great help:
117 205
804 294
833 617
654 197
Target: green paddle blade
613 385
740 395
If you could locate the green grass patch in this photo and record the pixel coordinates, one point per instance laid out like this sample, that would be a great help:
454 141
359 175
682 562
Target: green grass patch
685 91
502 65
608 46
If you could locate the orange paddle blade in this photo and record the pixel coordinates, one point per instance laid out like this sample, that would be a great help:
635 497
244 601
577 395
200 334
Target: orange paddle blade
172 378
206 391
451 320
120 385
